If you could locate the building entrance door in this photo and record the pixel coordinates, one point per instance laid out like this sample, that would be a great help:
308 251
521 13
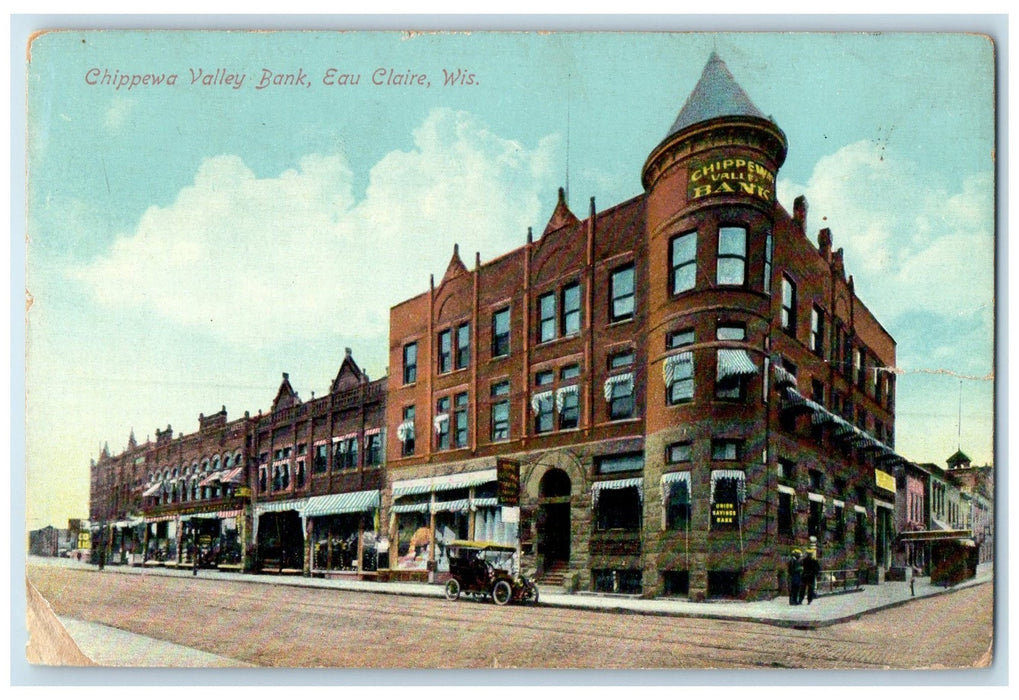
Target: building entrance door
554 519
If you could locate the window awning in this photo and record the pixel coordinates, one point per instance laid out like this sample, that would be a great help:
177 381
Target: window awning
671 478
298 504
160 518
672 362
610 383
405 431
210 479
411 508
152 490
448 482
461 505
783 377
734 363
816 497
562 393
615 485
737 474
538 399
233 476
339 503
440 420
485 503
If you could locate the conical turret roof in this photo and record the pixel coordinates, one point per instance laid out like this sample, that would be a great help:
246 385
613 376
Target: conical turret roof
717 94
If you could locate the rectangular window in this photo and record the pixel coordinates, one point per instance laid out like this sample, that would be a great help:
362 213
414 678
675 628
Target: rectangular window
546 317
879 386
787 470
618 509
408 436
500 411
373 450
569 372
618 360
410 363
460 420
569 413
725 502
769 247
621 294
571 309
442 423
544 378
463 346
732 255
614 464
679 452
858 367
677 506
320 462
543 413
817 331
445 351
729 385
501 333
680 389
816 480
788 305
725 449
679 339
815 519
621 401
683 262
839 515
817 390
785 514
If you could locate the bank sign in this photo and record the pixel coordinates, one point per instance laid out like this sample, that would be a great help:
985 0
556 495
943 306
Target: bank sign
731 176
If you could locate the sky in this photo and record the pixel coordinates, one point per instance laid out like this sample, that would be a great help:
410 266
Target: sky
188 242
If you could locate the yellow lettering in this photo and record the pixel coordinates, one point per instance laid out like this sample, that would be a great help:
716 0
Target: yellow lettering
701 191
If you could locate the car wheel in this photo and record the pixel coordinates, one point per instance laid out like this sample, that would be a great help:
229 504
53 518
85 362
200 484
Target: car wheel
502 592
452 589
531 593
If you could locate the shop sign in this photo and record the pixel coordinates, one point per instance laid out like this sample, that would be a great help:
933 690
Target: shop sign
508 475
731 176
723 513
242 492
884 480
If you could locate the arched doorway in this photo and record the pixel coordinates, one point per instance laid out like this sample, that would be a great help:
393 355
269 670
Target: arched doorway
554 518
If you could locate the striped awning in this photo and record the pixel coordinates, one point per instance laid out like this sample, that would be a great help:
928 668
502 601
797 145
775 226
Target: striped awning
737 474
160 518
411 508
561 394
298 504
610 383
233 476
538 399
405 431
783 377
447 482
485 503
461 505
615 485
440 420
339 503
152 490
671 478
734 363
672 362
210 479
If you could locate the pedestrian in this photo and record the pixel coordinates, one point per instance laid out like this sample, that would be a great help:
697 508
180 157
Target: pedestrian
795 569
811 568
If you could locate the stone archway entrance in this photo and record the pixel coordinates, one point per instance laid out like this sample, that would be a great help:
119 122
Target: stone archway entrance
554 519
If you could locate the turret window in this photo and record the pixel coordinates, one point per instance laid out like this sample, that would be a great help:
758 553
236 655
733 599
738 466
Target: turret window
732 255
683 262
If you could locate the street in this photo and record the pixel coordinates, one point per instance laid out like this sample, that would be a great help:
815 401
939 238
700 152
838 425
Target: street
285 626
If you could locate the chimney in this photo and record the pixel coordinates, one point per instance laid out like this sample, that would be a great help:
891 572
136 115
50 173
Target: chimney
800 213
824 243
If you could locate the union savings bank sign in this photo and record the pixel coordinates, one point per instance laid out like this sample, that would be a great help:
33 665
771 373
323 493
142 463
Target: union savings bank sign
728 176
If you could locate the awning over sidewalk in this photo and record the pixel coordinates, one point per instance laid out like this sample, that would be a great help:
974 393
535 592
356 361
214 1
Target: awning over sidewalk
410 487
340 503
960 536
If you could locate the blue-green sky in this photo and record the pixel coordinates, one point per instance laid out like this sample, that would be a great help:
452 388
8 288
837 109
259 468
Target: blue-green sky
189 243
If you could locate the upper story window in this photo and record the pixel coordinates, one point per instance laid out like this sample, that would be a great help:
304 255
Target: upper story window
442 423
683 262
500 393
769 248
619 386
569 372
858 367
725 449
445 351
788 305
570 320
463 346
501 332
817 331
544 377
731 376
732 255
373 449
679 452
406 431
460 402
410 363
546 317
621 292
679 368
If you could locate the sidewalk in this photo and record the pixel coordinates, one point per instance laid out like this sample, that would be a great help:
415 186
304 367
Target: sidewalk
825 611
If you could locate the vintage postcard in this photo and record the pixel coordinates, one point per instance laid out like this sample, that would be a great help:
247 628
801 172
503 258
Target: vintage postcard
464 350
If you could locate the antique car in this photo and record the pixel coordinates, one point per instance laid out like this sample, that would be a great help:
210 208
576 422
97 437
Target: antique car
485 569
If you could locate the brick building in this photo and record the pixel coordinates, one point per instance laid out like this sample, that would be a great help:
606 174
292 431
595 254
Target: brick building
689 385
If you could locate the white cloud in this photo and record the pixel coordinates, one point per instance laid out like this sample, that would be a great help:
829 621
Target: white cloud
909 245
259 260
